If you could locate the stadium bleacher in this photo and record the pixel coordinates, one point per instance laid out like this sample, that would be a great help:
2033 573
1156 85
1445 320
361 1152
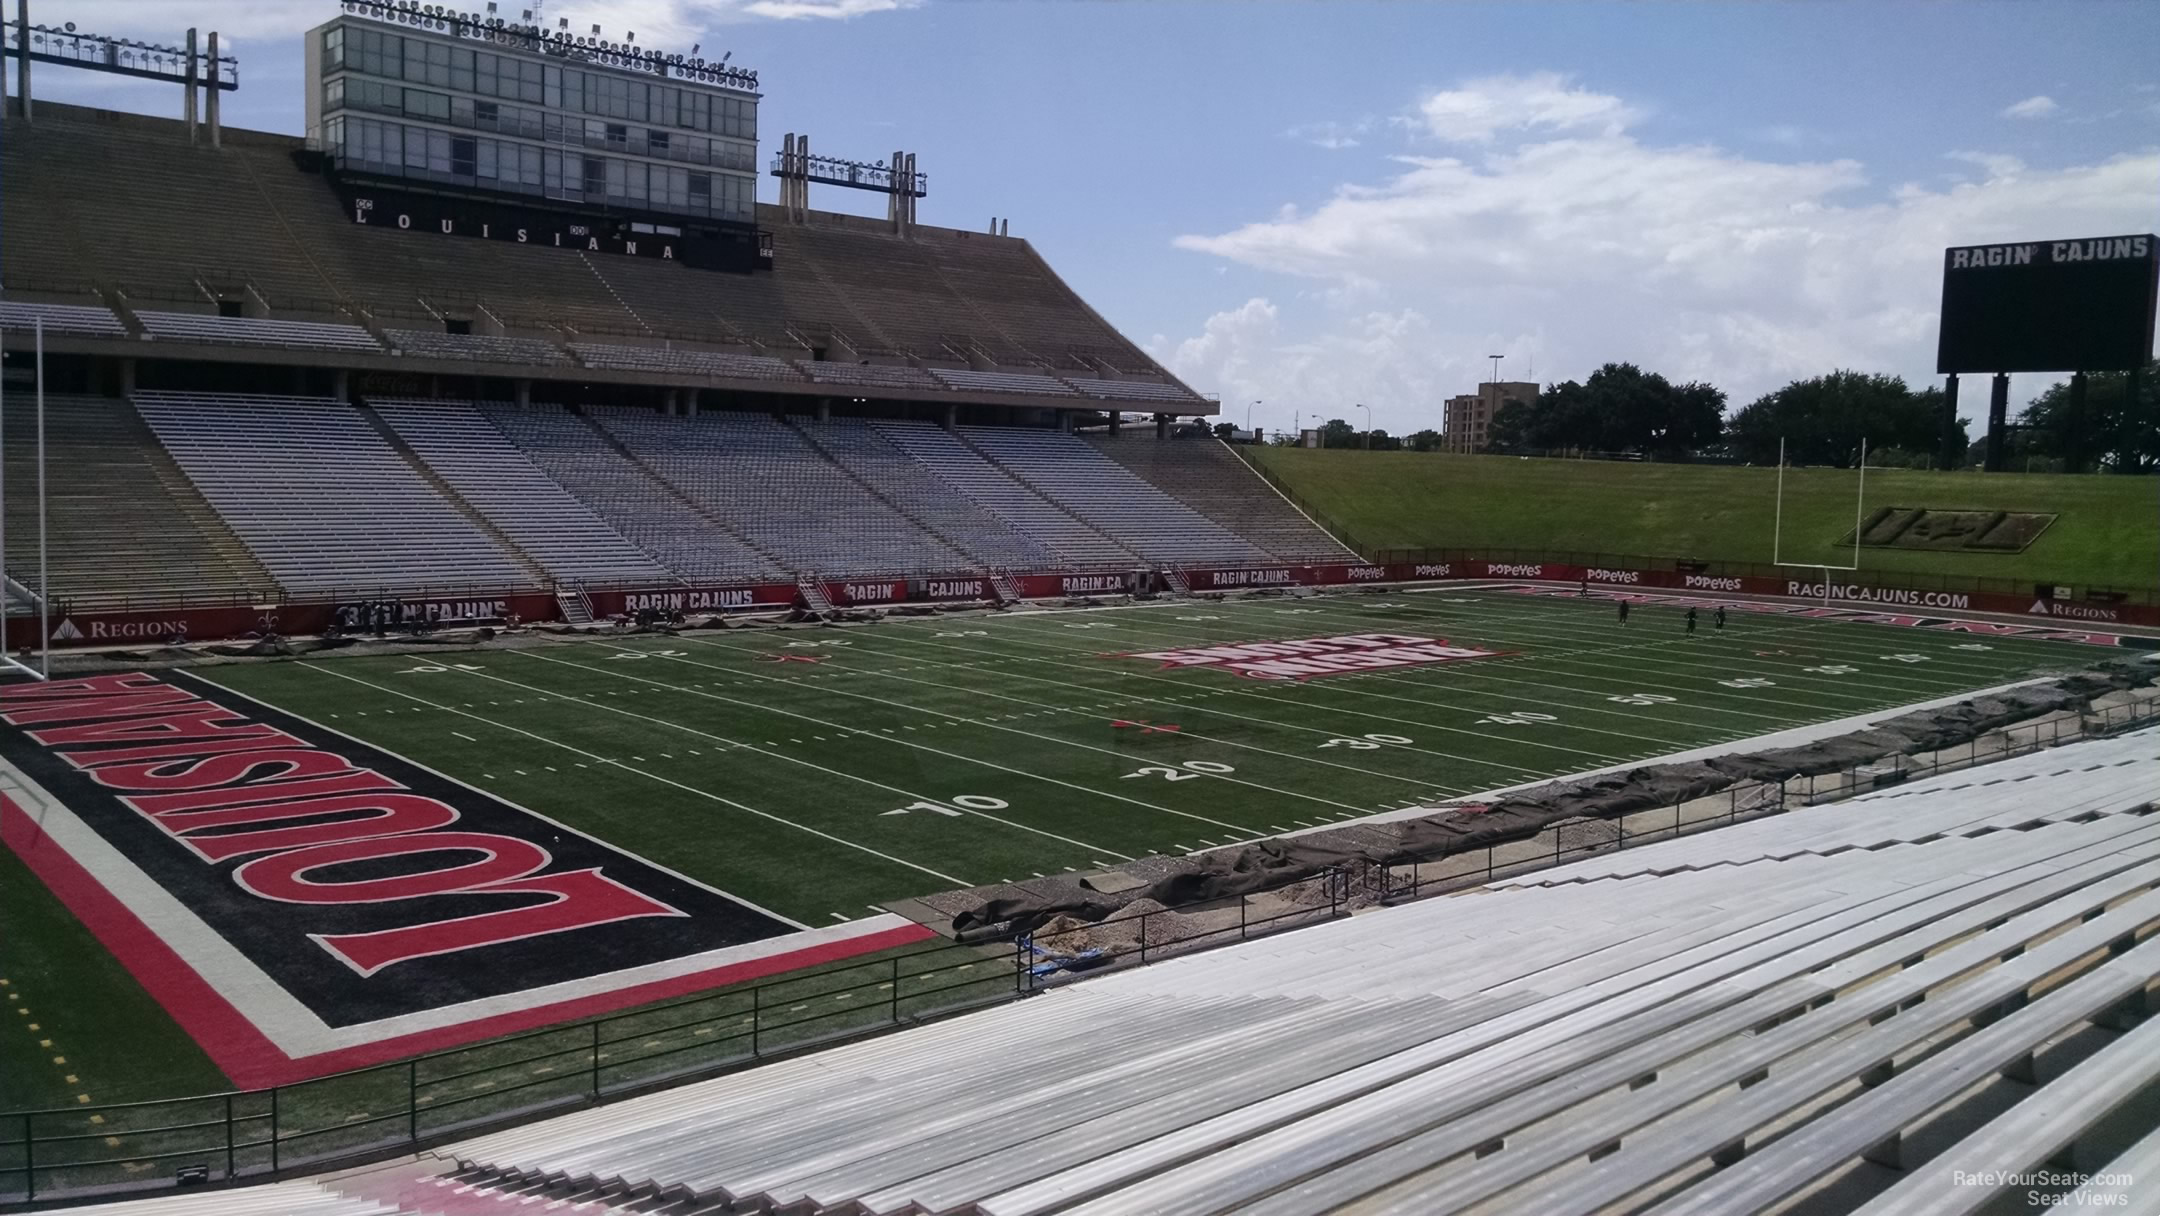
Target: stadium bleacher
1669 1036
434 344
654 516
966 380
1077 477
863 451
254 331
1208 477
998 492
489 472
123 522
867 375
765 481
93 321
723 364
323 502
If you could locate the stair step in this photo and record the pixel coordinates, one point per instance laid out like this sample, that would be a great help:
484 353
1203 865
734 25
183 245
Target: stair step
812 595
576 607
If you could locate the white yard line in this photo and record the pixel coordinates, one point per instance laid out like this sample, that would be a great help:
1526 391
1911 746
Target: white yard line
707 794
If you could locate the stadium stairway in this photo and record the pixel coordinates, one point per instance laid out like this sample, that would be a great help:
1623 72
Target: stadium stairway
1032 514
537 572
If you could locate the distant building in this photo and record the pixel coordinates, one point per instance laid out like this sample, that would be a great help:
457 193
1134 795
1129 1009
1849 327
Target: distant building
1468 425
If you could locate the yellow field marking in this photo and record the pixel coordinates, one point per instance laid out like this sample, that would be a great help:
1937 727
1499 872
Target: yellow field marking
83 1098
112 1142
97 1118
71 1078
59 1059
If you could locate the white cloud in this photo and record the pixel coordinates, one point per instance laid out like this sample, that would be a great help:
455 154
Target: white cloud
2032 107
1483 108
1333 136
1587 246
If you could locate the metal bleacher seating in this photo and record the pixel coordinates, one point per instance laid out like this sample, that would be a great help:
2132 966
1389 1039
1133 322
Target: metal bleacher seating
481 348
989 540
123 522
648 512
1001 494
1132 390
256 331
868 375
765 481
322 500
1794 1012
1209 478
489 472
697 362
968 381
83 320
1082 480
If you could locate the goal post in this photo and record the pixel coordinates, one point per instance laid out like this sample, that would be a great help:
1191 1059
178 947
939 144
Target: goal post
1777 527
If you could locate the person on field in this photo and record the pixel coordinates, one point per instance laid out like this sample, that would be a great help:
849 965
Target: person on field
1691 622
1623 612
1717 621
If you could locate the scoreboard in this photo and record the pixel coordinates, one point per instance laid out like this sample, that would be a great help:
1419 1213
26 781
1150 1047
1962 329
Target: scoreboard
2050 306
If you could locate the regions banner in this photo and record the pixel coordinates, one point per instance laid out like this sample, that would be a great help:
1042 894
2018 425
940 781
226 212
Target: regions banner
302 902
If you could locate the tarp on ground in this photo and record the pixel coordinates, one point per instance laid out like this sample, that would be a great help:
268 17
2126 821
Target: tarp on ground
1279 861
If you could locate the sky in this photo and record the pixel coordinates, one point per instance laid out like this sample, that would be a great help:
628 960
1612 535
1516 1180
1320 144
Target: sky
1325 205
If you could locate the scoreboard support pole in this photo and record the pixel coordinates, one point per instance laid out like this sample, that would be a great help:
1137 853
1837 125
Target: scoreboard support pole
2132 419
1952 454
2074 445
1998 421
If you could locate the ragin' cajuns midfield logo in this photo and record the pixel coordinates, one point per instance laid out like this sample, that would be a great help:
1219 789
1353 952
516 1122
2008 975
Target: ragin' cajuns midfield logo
320 885
1307 658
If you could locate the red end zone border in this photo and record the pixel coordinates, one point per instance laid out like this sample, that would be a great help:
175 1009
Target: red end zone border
254 981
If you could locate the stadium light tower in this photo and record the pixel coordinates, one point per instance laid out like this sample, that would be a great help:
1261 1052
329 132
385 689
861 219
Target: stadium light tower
1368 424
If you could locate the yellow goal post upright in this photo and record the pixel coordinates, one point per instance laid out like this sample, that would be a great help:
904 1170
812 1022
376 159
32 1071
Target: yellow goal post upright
1777 527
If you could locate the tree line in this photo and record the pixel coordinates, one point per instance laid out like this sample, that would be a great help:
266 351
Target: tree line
1622 410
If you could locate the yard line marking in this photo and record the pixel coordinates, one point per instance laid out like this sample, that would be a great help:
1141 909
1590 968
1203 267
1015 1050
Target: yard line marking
460 734
776 755
706 794
920 746
1046 739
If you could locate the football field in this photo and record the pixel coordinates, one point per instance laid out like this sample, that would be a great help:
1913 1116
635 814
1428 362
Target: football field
809 774
816 771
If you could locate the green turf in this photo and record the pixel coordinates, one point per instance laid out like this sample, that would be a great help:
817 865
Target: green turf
773 780
71 1011
2108 533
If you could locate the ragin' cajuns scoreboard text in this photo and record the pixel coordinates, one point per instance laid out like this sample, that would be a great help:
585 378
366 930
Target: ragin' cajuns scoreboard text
2050 306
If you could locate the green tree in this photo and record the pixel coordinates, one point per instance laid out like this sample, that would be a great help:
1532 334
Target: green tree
1823 419
2120 439
1338 434
1618 408
1426 441
1225 430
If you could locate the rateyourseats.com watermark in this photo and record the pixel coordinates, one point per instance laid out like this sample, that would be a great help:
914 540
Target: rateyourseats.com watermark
2054 1188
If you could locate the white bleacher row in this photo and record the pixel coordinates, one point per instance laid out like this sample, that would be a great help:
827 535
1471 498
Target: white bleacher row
1077 477
85 320
696 362
764 480
998 492
431 344
867 375
1563 1047
968 381
496 479
646 511
1132 390
320 498
1204 474
256 331
992 542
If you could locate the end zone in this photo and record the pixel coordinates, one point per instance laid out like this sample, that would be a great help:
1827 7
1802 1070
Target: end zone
302 903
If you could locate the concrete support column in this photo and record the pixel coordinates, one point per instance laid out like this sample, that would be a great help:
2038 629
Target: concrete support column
127 377
1116 417
187 108
824 409
342 384
690 401
2074 450
522 390
952 417
1162 426
210 99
